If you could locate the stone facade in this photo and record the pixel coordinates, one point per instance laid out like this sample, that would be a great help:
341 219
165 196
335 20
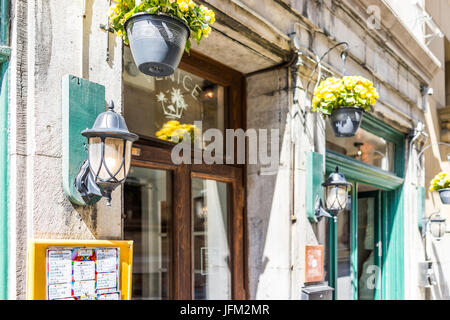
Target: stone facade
52 38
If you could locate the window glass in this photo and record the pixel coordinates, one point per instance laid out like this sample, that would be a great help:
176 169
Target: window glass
212 271
147 212
365 147
366 236
344 246
156 107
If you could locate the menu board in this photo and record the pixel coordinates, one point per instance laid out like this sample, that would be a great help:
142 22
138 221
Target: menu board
83 273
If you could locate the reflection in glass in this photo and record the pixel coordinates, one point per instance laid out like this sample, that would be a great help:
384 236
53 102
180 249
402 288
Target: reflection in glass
147 208
212 275
151 102
366 244
344 271
365 147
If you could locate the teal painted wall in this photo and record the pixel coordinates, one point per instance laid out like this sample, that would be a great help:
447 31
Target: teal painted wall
4 155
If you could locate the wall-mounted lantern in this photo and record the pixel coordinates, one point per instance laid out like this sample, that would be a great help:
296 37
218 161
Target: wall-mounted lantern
438 226
110 145
336 196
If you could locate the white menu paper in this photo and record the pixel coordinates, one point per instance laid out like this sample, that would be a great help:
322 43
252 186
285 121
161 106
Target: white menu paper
59 266
84 252
106 280
109 296
84 288
59 291
84 270
106 260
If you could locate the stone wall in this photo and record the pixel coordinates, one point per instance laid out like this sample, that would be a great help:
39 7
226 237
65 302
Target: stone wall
51 38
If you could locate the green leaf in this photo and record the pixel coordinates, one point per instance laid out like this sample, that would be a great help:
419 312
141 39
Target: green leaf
188 45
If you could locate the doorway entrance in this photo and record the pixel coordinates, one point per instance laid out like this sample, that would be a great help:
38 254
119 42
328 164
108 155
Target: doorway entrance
366 245
187 228
186 220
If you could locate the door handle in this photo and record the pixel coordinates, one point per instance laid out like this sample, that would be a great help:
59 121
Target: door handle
380 249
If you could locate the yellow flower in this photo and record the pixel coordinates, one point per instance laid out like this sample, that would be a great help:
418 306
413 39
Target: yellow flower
211 17
173 123
207 31
183 6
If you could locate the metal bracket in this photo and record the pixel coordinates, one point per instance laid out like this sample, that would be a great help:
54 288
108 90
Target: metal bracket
86 185
104 27
108 30
321 212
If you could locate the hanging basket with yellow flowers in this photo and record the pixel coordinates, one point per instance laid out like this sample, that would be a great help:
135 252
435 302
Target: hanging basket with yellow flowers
159 31
344 101
441 183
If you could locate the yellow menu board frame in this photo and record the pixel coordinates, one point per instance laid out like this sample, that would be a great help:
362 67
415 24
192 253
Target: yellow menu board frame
36 263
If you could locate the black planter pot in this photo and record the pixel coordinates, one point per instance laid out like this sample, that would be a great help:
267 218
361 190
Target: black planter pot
346 121
157 42
445 196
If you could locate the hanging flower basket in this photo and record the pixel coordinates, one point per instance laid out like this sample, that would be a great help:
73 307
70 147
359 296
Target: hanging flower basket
441 183
344 101
157 42
445 196
159 31
346 121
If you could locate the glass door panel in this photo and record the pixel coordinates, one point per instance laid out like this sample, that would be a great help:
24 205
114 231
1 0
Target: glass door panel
344 283
344 248
368 269
147 214
210 238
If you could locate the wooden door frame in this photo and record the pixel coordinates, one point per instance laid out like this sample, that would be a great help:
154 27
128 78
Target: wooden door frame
181 222
156 154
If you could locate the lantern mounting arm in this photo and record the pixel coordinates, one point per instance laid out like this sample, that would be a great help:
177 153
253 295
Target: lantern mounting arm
431 145
85 184
320 211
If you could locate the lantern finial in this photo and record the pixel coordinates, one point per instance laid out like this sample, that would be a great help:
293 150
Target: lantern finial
111 105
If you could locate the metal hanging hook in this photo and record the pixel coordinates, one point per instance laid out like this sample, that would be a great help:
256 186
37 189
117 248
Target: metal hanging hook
319 61
344 56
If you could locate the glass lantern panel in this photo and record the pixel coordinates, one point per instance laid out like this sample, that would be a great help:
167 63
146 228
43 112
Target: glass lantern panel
336 197
95 154
128 157
113 160
438 229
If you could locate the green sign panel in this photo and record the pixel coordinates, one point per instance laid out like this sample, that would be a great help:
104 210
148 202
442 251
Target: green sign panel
314 180
82 102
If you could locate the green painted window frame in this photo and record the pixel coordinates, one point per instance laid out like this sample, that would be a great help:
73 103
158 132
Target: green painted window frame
391 208
4 151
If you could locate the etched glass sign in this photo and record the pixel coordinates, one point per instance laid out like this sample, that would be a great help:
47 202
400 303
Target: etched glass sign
153 107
